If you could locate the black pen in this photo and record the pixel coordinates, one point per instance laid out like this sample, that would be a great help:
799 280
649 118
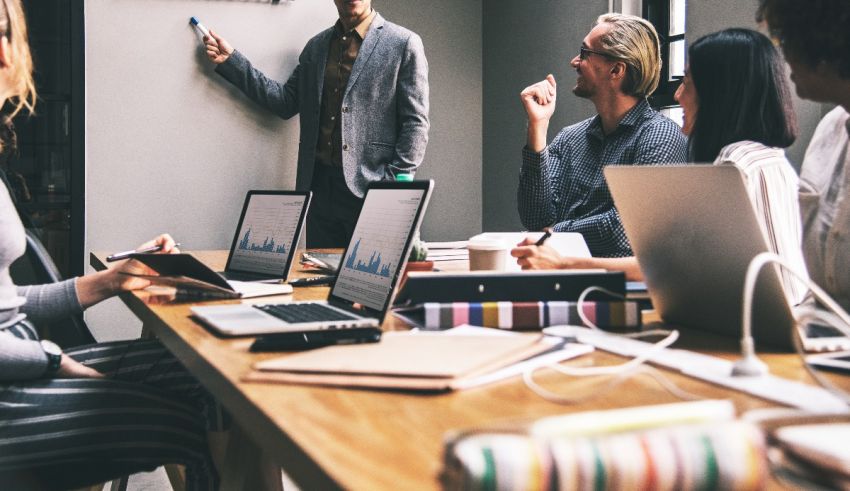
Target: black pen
124 255
547 232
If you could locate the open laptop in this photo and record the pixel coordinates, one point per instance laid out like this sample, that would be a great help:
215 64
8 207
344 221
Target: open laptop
694 231
365 282
267 236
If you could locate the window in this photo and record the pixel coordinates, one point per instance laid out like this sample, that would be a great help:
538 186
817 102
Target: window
668 16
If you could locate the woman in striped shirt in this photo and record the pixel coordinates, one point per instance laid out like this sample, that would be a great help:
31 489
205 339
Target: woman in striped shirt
737 111
97 412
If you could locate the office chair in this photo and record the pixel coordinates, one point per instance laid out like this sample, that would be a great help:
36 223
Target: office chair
36 267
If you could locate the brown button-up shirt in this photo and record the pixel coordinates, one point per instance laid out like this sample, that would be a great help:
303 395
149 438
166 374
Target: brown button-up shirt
345 46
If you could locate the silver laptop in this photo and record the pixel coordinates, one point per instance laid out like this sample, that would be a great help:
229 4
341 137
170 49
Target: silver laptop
267 236
365 281
694 231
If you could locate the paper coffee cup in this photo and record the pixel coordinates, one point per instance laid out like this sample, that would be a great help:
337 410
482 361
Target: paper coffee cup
487 255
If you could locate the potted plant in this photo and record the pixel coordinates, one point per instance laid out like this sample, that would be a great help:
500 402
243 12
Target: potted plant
417 260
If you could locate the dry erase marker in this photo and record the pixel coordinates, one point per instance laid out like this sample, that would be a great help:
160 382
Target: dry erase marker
124 255
195 22
547 232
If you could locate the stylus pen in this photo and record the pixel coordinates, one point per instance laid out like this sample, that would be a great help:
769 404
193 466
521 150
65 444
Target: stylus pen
547 232
124 255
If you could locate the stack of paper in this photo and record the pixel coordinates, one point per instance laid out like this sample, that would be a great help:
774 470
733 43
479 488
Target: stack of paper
447 251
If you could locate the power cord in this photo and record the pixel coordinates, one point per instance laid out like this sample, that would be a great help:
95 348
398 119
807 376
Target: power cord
620 373
749 364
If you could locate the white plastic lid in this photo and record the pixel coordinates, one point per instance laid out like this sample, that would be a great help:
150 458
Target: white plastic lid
486 244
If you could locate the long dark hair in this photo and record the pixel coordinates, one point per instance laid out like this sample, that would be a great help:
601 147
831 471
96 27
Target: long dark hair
739 78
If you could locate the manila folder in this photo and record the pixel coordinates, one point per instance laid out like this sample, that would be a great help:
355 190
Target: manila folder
402 360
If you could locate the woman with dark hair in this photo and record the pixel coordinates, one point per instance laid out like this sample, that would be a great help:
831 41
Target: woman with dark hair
93 413
739 76
815 38
737 111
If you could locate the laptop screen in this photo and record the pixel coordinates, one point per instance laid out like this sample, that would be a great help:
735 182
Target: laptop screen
268 230
370 266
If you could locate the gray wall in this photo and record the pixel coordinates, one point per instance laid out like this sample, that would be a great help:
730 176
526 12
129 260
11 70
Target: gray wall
525 41
451 32
171 147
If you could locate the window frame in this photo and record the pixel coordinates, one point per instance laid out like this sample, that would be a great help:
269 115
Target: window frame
658 13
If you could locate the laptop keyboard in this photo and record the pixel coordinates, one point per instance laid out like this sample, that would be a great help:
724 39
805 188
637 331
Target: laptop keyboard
304 312
242 276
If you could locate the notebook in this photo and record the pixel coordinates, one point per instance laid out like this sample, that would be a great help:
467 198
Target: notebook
267 236
420 361
365 282
194 280
694 231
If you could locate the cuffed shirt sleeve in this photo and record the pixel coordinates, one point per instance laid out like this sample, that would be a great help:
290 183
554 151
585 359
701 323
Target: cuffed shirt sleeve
50 302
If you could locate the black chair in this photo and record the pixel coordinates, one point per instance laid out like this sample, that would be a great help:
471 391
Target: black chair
36 267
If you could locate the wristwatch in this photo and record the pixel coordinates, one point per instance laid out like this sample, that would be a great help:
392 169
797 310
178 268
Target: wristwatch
54 356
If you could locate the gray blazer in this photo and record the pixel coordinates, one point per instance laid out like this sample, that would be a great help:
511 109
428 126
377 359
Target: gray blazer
384 110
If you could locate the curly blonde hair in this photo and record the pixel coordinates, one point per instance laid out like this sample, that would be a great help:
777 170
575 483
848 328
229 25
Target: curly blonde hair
634 41
13 27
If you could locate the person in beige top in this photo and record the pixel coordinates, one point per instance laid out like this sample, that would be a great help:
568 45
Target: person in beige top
815 39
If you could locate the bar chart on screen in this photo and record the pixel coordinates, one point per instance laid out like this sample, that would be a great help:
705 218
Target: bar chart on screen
382 231
266 234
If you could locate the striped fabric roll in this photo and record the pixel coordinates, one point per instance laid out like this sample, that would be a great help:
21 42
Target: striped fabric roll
531 315
729 455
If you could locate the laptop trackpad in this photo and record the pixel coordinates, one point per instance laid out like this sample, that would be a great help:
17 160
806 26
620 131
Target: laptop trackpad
230 316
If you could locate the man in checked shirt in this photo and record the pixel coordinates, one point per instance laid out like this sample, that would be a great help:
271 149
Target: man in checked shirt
561 184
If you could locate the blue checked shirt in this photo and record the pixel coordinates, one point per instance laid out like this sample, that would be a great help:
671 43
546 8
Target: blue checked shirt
563 186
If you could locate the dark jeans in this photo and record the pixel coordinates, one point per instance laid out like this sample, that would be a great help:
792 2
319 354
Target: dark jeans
333 211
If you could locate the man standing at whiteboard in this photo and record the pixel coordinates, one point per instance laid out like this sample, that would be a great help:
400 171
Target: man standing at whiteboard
361 90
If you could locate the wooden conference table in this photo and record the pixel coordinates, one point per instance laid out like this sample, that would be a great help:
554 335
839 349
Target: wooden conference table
371 440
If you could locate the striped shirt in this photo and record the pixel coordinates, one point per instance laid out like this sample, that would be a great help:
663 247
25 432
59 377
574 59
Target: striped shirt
563 186
772 186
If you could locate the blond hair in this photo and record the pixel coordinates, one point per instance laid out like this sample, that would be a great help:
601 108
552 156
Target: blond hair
633 40
13 26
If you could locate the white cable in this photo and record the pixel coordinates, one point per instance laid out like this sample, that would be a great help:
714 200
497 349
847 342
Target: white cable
587 322
581 300
815 315
838 318
621 372
749 364
623 367
528 378
768 257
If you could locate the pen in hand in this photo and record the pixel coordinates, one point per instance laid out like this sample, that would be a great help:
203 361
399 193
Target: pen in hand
124 255
547 232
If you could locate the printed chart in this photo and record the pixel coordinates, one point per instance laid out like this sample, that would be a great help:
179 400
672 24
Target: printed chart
266 234
373 259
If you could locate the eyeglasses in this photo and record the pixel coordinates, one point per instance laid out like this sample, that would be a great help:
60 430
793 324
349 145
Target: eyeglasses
583 53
